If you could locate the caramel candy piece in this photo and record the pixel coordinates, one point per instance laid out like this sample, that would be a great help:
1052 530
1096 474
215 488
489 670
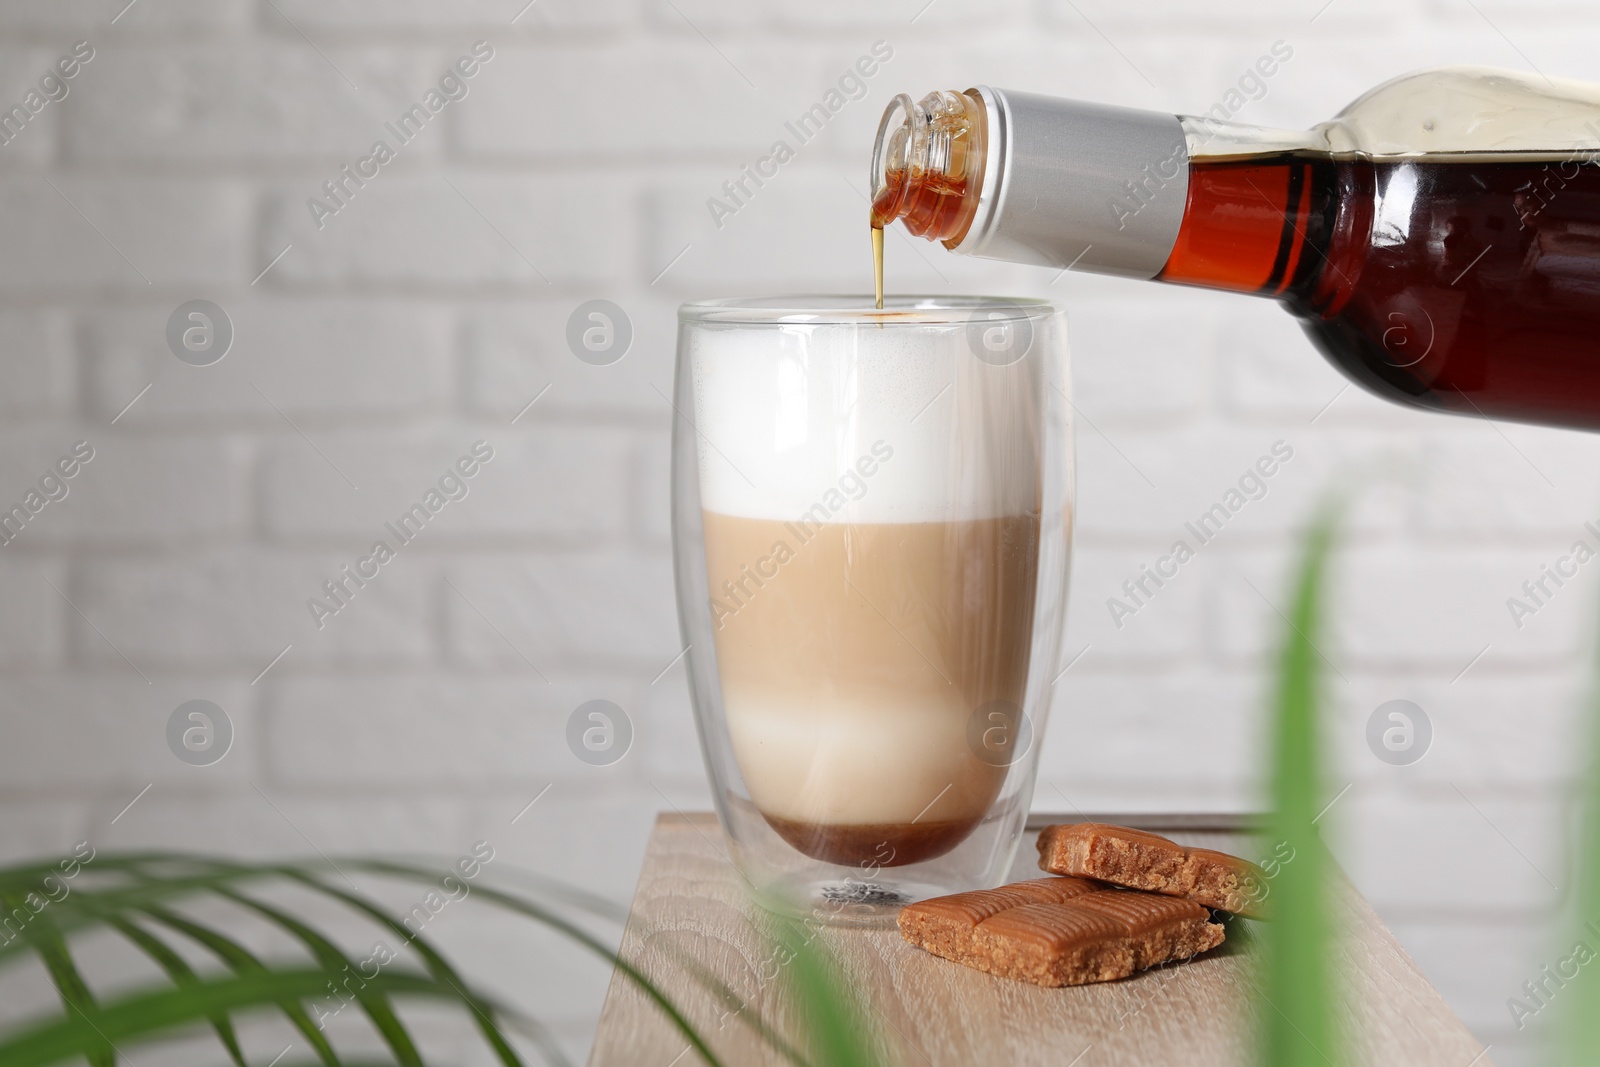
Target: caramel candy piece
1137 859
1162 928
1052 945
1059 931
949 921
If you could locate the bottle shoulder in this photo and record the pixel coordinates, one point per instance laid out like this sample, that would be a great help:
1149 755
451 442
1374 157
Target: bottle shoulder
1461 112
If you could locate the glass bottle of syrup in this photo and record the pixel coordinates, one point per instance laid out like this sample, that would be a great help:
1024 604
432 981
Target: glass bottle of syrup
1439 240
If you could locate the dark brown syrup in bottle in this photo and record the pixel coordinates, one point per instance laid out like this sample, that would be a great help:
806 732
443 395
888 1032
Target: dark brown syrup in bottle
1471 286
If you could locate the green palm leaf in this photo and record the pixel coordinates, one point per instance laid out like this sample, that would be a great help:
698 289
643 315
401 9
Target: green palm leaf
158 1013
482 1013
41 933
129 891
1298 1024
741 1010
241 961
1579 1029
548 918
183 976
86 908
837 1028
340 967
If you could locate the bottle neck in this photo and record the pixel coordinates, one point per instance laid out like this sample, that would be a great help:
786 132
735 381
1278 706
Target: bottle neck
1064 183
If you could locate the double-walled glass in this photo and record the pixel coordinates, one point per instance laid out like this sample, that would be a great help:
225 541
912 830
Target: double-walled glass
872 518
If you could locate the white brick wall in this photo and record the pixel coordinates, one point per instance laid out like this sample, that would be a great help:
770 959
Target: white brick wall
427 314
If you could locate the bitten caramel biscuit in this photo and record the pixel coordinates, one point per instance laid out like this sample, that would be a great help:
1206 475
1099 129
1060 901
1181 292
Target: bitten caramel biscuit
1161 928
1137 859
948 922
1059 931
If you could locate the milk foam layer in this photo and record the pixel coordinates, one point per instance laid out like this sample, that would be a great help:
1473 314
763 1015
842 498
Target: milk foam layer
786 412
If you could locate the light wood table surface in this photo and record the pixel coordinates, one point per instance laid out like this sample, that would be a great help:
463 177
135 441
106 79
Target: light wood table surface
691 908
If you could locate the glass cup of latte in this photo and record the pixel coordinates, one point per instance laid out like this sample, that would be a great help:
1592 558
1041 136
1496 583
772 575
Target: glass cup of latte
872 519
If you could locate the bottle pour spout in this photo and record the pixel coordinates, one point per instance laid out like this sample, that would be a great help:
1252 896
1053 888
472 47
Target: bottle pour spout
1007 175
927 164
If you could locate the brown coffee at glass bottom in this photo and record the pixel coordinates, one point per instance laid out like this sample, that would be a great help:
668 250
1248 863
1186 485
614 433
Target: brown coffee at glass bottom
854 659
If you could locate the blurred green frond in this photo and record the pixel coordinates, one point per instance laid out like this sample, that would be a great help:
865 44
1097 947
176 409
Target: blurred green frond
1298 1026
836 1026
141 897
1579 1014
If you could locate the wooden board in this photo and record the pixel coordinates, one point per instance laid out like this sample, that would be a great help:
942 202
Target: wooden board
690 909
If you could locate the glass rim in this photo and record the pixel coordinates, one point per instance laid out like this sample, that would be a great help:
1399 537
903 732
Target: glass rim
915 309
